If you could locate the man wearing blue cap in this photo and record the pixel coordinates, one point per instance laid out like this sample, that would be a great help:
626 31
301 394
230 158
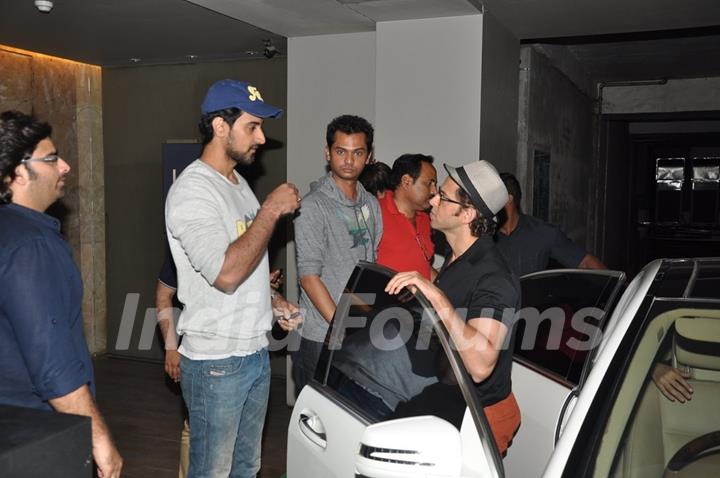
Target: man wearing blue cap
218 234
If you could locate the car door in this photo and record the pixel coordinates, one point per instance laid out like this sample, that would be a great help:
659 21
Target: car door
385 358
624 424
559 326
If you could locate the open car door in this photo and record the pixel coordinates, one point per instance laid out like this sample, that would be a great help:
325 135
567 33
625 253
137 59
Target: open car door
560 325
390 396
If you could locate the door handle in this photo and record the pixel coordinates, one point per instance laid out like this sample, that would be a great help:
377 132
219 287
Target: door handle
313 429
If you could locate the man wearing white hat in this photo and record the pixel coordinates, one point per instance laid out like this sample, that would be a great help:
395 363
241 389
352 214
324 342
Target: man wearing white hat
474 288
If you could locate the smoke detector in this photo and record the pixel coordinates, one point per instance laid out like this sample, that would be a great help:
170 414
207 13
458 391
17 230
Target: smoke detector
44 6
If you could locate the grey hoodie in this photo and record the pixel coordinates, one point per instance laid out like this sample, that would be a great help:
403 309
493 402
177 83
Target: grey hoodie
333 233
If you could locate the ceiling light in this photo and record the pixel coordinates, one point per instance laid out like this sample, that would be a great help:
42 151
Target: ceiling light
135 60
44 6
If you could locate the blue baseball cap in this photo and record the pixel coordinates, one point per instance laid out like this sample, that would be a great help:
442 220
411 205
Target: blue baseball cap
238 94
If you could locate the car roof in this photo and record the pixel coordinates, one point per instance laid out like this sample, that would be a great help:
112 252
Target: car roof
697 278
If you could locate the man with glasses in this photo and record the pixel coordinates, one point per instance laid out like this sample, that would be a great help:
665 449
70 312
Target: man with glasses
406 243
475 288
44 359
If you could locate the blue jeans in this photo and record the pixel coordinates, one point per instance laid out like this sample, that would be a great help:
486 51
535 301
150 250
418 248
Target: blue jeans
227 401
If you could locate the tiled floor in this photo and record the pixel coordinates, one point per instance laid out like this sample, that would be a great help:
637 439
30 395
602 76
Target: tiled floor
144 411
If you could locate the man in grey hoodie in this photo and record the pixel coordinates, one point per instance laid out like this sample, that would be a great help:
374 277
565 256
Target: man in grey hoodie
340 224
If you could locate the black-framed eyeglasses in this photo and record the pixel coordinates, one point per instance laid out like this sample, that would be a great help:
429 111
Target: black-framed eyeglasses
50 158
444 197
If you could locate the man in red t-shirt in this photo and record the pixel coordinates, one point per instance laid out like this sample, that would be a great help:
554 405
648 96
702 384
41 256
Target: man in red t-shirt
406 243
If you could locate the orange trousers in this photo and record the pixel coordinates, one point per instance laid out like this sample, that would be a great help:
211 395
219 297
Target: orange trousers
504 420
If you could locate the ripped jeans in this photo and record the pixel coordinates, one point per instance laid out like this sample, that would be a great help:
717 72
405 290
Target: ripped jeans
227 401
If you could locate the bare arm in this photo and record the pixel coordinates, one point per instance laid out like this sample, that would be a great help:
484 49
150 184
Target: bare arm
591 262
244 254
80 402
166 320
478 339
319 296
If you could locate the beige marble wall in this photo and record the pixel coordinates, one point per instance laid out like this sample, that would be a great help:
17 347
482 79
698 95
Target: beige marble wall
69 96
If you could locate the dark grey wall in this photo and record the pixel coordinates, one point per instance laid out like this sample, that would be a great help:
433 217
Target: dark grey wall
557 118
144 107
499 94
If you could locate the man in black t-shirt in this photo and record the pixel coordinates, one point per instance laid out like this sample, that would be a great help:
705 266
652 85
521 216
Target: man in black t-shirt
475 289
529 243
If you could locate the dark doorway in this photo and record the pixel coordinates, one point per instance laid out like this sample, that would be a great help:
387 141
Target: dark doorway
676 196
662 189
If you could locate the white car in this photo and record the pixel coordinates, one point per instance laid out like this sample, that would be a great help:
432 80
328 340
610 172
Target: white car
391 397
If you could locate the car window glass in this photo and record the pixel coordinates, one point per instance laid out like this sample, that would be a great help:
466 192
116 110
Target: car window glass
383 359
707 282
560 319
675 278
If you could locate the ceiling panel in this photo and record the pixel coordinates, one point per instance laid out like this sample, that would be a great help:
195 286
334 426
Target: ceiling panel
692 57
109 32
535 19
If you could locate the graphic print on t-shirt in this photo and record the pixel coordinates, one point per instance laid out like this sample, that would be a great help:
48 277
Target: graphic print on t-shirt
357 226
242 225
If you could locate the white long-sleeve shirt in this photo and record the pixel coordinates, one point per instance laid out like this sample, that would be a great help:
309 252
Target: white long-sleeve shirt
204 213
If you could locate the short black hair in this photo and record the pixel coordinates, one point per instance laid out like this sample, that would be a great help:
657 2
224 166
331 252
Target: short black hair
375 178
513 187
408 164
19 136
229 115
350 124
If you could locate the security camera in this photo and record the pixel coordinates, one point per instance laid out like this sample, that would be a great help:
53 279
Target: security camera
44 6
270 49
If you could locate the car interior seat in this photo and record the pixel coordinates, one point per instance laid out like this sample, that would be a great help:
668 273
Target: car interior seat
662 439
691 430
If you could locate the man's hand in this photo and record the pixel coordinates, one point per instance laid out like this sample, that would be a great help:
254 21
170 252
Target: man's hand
672 383
413 281
172 364
107 458
81 402
276 278
289 316
284 199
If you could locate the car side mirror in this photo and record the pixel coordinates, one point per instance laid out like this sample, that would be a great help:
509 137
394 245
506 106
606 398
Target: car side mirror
408 447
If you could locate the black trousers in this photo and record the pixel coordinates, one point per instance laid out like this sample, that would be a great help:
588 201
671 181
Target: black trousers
304 363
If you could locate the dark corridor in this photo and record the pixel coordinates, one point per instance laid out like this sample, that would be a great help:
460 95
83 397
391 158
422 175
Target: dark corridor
672 201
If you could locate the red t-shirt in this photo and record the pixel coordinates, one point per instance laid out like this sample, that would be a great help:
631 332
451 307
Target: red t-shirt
404 247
